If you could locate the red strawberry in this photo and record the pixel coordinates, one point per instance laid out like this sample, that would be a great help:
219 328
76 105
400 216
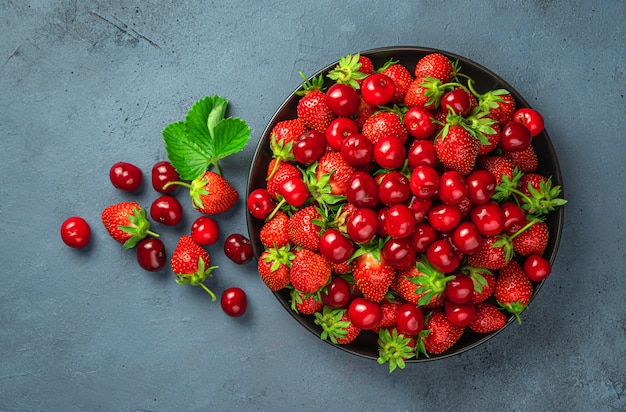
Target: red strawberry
274 231
389 308
435 65
191 264
303 230
525 160
431 284
351 70
442 334
513 289
336 326
340 268
305 304
364 112
367 66
312 108
492 138
372 275
491 255
277 172
499 103
288 130
487 319
333 164
533 239
383 124
212 194
273 266
309 271
533 179
496 165
401 77
457 149
127 223
424 93
484 283
536 193
404 286
394 348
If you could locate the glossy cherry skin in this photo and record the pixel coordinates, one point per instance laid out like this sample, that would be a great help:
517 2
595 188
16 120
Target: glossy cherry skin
420 207
238 248
457 101
488 218
394 188
467 238
166 210
377 89
335 246
357 150
530 118
399 221
536 267
260 203
514 136
337 293
342 99
125 176
424 181
338 130
294 190
460 289
444 217
234 302
399 253
163 173
205 231
419 122
362 225
452 187
422 152
151 254
460 314
481 185
442 256
364 314
409 319
389 152
514 217
309 147
362 190
423 235
75 232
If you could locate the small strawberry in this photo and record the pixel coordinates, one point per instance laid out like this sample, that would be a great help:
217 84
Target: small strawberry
492 138
484 282
309 271
127 223
351 70
525 160
191 264
389 308
274 231
497 165
535 193
364 112
372 275
401 77
533 238
431 283
277 172
287 131
333 164
513 289
273 266
312 108
436 65
494 254
442 334
404 286
336 326
303 228
383 124
487 319
394 348
305 303
367 66
424 92
457 149
499 103
211 194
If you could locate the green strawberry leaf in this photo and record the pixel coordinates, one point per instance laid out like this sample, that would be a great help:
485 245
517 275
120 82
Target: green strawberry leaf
186 155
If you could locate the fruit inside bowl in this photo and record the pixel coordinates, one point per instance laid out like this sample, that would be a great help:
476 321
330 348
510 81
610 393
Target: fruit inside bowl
405 204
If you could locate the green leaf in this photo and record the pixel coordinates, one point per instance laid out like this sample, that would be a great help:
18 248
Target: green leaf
230 136
187 156
203 116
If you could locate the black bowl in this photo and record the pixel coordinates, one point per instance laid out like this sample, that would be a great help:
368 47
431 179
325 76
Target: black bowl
366 344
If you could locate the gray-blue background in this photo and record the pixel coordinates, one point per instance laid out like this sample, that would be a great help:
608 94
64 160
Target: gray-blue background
86 84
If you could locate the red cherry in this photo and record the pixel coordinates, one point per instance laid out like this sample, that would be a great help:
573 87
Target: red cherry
75 232
337 294
260 203
234 302
238 248
419 122
151 254
467 238
536 267
163 173
342 99
357 150
481 185
424 181
125 176
335 246
399 221
205 231
389 152
309 147
166 210
338 130
514 136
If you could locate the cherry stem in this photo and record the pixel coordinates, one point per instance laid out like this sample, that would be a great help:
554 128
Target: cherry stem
523 229
276 209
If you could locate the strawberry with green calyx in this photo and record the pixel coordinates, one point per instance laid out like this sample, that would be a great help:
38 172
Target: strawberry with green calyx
499 103
525 160
494 254
279 171
274 230
312 108
513 289
274 265
441 334
336 326
309 271
483 279
320 188
127 223
191 264
394 348
210 193
305 303
204 137
537 197
531 238
383 123
401 77
456 147
348 71
498 165
287 131
304 227
372 275
430 282
339 171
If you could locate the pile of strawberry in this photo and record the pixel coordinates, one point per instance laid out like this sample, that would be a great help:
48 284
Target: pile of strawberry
402 202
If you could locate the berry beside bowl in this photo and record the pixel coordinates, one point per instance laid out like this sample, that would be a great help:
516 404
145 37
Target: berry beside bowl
453 215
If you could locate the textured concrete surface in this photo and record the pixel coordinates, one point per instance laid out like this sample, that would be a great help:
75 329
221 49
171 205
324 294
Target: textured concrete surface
86 84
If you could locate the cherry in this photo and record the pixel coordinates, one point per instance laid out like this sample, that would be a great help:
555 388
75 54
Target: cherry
309 147
166 210
514 136
357 150
399 253
394 188
125 176
75 232
460 289
530 118
424 181
399 221
205 231
294 190
452 187
362 190
409 319
389 152
338 130
536 267
444 217
442 256
456 100
382 216
364 314
342 99
234 302
163 173
460 314
335 246
151 254
481 185
337 294
420 207
488 218
362 225
238 248
423 235
260 203
467 238
377 89
514 217
419 122
422 152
